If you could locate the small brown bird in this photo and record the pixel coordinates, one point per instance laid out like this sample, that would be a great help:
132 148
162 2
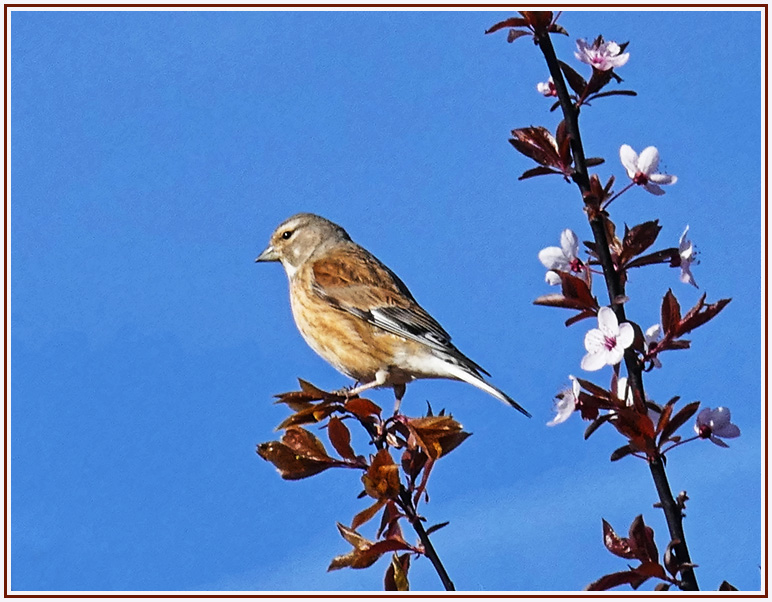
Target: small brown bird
359 316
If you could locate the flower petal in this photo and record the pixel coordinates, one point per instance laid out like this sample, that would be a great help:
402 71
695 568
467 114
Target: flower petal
618 60
686 275
663 178
718 441
594 361
703 418
719 417
595 341
553 258
652 333
607 322
615 355
552 278
683 236
569 243
626 335
653 189
649 160
629 160
729 431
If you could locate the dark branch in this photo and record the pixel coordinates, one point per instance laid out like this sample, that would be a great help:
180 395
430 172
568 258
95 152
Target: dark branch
616 294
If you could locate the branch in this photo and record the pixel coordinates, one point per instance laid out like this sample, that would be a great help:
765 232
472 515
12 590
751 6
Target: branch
410 512
616 294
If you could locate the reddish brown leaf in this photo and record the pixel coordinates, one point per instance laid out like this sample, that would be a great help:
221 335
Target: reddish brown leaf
576 288
511 22
564 143
559 300
538 171
671 313
599 80
304 443
437 435
651 569
613 93
389 527
381 480
354 538
677 421
365 515
596 390
594 161
538 144
576 81
340 437
555 28
582 315
413 461
290 465
365 552
727 587
436 527
641 540
514 34
700 314
637 239
362 408
606 582
664 417
313 390
396 575
621 452
363 558
676 345
595 425
671 564
670 256
619 546
312 413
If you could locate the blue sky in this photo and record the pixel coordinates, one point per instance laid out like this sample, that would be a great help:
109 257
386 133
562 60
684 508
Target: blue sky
152 155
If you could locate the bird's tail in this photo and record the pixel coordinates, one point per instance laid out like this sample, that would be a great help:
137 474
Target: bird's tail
477 381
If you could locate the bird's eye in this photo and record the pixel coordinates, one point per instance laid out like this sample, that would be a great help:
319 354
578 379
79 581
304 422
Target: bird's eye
287 234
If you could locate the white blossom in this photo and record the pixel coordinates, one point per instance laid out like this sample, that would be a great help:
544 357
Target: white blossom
641 168
688 255
566 402
606 344
712 424
601 55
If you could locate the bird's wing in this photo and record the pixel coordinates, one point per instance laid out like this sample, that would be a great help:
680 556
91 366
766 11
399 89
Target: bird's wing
353 280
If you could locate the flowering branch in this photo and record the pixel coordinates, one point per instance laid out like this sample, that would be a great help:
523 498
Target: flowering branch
616 294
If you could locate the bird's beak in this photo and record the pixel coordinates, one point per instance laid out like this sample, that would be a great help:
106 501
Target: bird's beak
268 255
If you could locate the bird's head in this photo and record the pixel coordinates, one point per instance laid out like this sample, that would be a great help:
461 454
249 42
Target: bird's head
299 237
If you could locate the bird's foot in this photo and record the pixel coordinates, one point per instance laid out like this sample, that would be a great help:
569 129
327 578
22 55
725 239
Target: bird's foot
347 392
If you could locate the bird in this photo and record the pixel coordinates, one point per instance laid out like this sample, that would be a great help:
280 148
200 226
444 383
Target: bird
360 317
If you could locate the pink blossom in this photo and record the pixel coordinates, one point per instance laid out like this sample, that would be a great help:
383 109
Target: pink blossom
566 402
641 168
712 424
601 55
688 255
606 344
547 88
650 339
563 258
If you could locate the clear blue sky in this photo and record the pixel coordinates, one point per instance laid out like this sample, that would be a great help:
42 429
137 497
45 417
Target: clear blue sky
153 154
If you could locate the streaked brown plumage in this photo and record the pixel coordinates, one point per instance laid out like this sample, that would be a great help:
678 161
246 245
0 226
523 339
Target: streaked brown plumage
359 316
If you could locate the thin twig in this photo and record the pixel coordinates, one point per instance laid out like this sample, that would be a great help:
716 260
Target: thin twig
616 292
429 551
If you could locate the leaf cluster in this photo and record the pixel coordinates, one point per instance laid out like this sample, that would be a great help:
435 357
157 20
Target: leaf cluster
395 486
